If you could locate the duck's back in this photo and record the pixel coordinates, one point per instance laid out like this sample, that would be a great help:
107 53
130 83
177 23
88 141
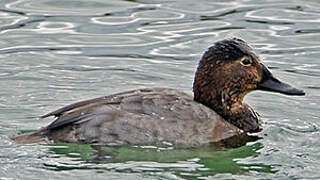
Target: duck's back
144 116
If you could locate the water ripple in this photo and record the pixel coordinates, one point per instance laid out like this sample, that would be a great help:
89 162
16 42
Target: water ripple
49 8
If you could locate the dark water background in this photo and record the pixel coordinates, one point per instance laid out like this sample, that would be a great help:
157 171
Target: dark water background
53 53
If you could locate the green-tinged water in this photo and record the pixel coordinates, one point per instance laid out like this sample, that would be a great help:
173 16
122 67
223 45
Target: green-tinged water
54 53
196 162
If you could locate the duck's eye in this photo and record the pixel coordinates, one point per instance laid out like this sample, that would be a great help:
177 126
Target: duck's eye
245 61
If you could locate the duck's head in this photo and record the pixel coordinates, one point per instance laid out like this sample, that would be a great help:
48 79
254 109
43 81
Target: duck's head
226 73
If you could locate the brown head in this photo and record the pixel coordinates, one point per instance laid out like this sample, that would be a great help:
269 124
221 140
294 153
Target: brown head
226 73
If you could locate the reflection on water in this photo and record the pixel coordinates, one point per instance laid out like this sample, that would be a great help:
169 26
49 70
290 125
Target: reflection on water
54 53
193 162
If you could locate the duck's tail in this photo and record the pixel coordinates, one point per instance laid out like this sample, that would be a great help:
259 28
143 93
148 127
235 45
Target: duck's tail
32 137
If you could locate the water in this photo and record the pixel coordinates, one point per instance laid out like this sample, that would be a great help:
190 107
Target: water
54 53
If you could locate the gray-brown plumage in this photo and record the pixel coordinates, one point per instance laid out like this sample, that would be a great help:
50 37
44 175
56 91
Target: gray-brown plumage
226 73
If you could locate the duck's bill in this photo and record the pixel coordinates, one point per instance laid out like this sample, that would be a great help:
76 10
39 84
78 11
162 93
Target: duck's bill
270 83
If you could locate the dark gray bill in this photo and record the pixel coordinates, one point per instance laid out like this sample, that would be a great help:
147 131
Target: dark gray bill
270 83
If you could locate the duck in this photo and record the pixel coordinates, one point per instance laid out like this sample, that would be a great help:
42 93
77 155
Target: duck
227 71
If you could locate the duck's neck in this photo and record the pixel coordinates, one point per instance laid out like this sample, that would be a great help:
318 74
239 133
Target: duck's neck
227 101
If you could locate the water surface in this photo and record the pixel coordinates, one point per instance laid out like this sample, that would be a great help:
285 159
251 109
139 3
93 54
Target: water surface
53 54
